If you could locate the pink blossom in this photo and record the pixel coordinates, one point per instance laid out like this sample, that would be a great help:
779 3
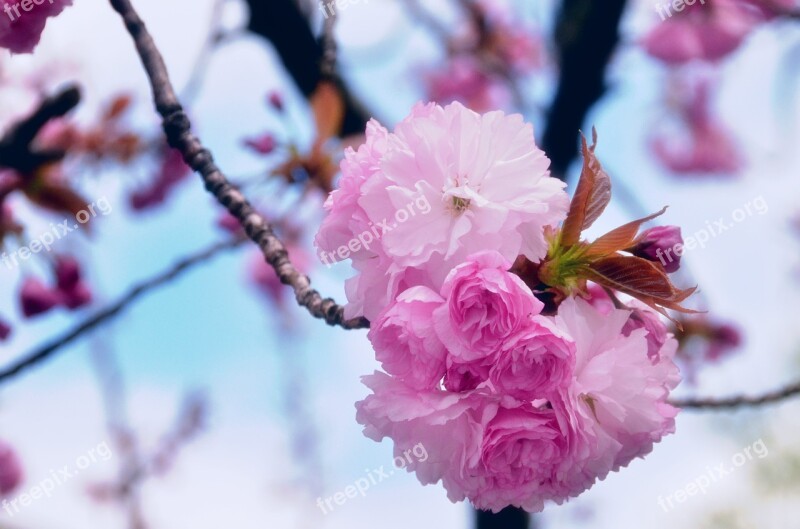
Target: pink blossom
484 306
701 144
20 31
534 362
482 175
171 171
478 175
5 330
405 342
657 336
10 470
37 298
74 292
495 452
230 224
709 31
463 80
616 406
653 244
275 100
264 144
447 424
263 276
521 452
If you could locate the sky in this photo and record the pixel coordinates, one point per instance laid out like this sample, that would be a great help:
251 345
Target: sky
210 330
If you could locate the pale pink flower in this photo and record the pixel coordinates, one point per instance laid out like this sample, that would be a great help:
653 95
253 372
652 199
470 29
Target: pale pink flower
616 406
345 218
478 175
404 340
481 174
447 424
21 30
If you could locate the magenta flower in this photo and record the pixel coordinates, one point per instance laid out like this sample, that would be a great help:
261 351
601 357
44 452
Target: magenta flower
73 290
20 29
5 330
521 452
275 100
171 171
37 298
10 470
658 245
263 145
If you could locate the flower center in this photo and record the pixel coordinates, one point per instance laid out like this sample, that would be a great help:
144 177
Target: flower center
460 204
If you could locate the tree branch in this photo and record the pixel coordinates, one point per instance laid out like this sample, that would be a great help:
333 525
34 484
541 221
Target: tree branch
739 401
179 135
46 351
16 151
587 33
284 25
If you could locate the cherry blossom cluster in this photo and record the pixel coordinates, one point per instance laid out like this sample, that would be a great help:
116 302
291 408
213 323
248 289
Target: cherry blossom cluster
691 41
505 349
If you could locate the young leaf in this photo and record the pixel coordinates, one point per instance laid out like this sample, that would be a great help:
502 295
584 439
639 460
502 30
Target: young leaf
642 279
591 196
619 238
327 105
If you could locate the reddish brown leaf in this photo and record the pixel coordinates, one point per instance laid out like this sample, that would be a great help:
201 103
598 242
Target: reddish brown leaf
117 107
55 196
327 105
641 279
591 196
619 238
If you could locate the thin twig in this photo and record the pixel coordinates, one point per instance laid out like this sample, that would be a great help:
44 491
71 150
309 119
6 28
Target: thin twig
44 352
739 401
179 135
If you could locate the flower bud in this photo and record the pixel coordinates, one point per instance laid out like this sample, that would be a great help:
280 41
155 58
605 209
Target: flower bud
36 298
659 245
275 100
10 470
